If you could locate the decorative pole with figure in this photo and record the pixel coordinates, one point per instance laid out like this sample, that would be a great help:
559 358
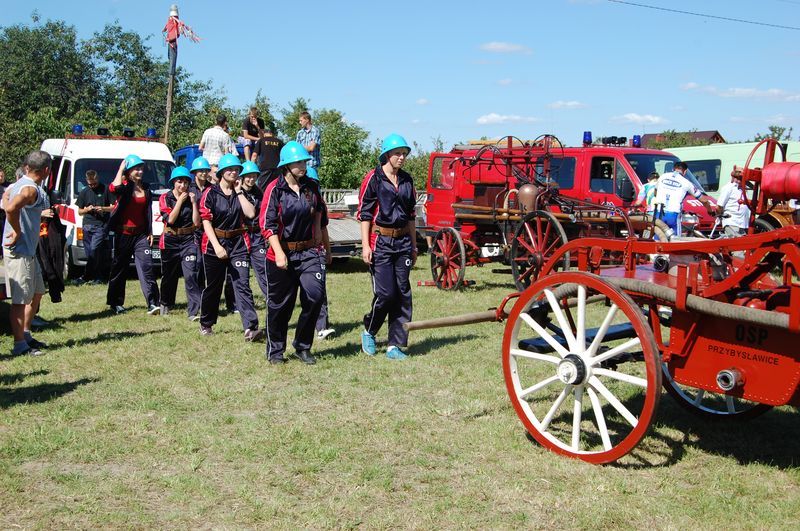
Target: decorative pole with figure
173 29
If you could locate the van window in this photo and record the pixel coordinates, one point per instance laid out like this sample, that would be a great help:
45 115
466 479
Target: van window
54 167
443 173
643 164
156 173
707 173
64 181
562 171
601 178
624 187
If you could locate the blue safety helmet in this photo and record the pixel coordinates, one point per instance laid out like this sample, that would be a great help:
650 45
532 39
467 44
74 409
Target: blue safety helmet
200 163
228 161
293 152
391 142
131 161
312 173
248 168
179 172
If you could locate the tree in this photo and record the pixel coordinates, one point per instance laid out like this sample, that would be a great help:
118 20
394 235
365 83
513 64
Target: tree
289 122
344 151
775 131
672 139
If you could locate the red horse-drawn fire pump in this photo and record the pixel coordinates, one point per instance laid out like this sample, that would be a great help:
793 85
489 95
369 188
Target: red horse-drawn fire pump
516 202
717 322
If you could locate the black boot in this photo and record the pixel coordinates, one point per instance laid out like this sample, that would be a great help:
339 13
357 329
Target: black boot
306 357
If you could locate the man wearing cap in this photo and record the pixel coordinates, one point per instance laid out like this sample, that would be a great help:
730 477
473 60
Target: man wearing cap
23 203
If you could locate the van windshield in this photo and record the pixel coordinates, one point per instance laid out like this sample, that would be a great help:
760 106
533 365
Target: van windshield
156 173
644 164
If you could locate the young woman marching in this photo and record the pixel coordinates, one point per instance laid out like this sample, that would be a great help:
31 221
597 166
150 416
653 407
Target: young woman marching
225 244
133 235
389 245
181 216
258 250
294 221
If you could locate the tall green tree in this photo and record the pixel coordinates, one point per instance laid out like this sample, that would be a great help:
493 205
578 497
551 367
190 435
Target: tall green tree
672 138
775 131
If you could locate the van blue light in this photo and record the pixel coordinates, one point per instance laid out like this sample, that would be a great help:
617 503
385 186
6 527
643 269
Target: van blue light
587 138
77 129
637 140
151 132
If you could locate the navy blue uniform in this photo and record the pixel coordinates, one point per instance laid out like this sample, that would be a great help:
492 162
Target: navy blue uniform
384 205
225 214
258 245
131 241
178 251
291 217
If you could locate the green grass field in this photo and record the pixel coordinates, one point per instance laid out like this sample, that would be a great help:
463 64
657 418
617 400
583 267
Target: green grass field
135 421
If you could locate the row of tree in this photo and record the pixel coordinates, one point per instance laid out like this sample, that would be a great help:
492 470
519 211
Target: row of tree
50 79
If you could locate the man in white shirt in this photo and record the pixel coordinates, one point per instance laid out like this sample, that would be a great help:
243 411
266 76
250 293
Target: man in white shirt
217 142
672 189
733 207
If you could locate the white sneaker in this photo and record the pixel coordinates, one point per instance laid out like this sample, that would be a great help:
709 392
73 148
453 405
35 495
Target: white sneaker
322 334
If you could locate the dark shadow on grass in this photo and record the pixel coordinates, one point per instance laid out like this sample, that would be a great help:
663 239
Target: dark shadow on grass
104 336
770 439
8 379
416 348
36 394
81 317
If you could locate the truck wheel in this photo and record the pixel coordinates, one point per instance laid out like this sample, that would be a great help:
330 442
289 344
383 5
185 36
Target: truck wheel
71 271
448 259
763 225
536 238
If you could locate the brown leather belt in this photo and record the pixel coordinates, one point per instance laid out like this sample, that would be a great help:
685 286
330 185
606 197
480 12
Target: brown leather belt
229 233
131 231
298 246
391 233
181 231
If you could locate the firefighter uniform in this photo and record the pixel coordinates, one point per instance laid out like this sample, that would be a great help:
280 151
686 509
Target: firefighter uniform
389 209
291 216
178 251
258 245
226 216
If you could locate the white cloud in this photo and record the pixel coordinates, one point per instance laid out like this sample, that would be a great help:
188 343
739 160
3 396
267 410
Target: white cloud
494 118
423 101
779 119
677 108
572 104
640 119
745 92
416 121
505 47
504 82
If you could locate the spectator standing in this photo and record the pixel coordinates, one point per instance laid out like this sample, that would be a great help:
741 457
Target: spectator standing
133 235
732 206
268 153
216 142
94 204
309 137
252 129
24 202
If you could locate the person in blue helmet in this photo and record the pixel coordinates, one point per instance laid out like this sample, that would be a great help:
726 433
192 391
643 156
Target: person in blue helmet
388 242
181 217
294 220
225 246
323 327
258 246
131 223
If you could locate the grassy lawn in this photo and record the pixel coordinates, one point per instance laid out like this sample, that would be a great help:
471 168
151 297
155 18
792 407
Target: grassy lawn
135 421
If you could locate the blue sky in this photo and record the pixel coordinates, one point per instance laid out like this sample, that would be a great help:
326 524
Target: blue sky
462 70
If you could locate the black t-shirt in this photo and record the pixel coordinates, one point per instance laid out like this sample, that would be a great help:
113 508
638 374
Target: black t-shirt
268 151
250 128
98 196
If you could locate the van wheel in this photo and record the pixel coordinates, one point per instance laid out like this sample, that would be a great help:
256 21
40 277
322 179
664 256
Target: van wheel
762 225
71 271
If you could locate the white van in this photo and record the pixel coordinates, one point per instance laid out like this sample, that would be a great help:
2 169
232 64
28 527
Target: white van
712 164
74 155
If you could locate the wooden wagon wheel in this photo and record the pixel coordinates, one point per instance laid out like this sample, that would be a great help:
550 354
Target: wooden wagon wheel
572 359
448 259
709 405
536 238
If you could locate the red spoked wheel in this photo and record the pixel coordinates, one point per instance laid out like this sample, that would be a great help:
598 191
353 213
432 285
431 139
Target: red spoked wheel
536 238
448 259
581 367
